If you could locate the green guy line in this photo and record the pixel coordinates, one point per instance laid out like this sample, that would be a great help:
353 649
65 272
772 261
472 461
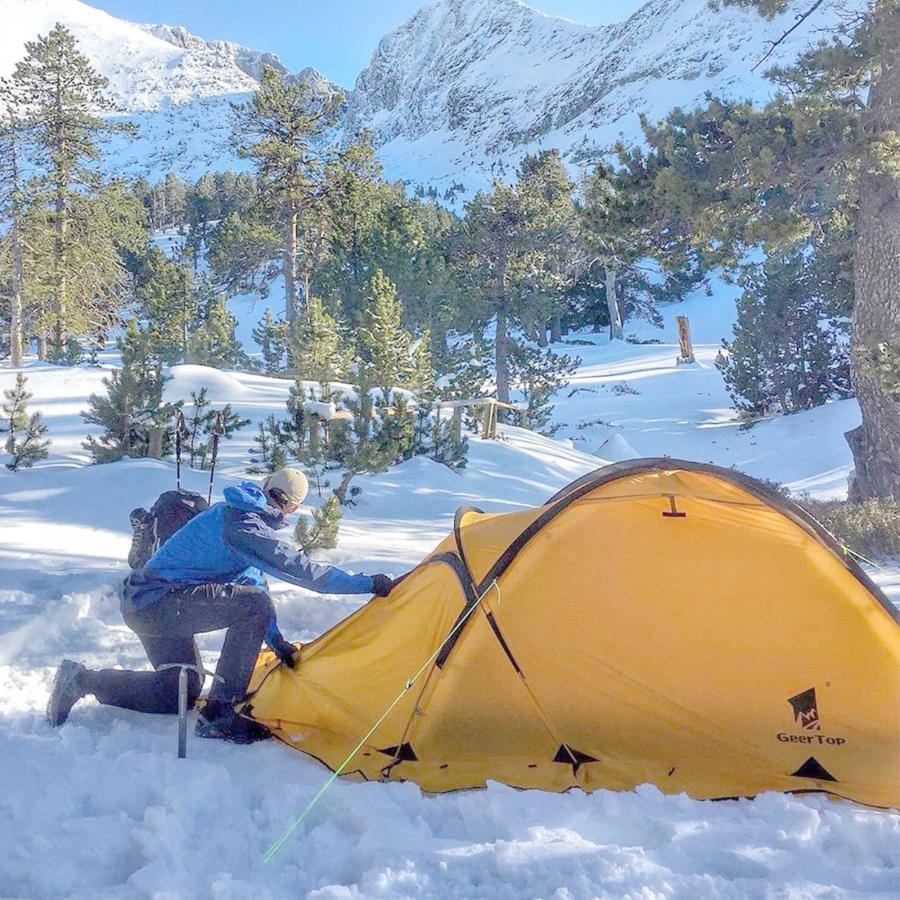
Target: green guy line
295 822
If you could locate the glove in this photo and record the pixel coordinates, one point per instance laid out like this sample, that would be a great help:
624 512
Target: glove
381 585
284 650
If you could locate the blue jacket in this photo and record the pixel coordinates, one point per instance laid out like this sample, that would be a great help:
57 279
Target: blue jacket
235 542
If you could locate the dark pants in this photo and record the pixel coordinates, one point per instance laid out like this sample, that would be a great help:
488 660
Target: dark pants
167 630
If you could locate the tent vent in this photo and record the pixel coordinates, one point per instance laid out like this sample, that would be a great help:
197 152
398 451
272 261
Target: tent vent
574 758
812 768
403 753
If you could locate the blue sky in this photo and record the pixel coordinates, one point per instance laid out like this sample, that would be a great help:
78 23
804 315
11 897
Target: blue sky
335 36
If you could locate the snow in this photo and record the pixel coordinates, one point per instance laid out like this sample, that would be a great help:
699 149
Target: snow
635 399
102 808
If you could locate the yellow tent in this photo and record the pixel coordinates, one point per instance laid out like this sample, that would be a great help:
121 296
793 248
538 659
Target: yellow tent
657 621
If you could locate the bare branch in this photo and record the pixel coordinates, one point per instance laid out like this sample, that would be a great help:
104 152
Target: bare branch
801 18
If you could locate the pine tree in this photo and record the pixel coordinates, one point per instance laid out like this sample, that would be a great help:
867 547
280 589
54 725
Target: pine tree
272 337
358 204
366 446
827 145
133 404
12 202
385 347
201 207
168 304
468 374
24 443
197 419
488 260
421 378
59 96
268 455
323 533
281 129
316 347
539 374
214 343
604 214
790 346
219 424
551 243
442 446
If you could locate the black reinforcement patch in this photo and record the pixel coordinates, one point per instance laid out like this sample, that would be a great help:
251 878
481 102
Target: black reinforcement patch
812 768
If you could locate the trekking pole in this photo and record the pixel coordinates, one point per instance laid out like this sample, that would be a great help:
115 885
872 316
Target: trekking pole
179 425
217 430
183 698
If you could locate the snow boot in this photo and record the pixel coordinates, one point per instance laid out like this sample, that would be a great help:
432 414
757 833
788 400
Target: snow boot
141 538
219 720
69 686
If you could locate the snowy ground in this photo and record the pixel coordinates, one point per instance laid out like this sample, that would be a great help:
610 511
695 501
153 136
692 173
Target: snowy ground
102 808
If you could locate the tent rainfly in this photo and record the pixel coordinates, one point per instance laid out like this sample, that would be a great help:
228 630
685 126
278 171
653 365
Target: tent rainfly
656 621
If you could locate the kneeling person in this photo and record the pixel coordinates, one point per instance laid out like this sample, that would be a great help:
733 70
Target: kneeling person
207 576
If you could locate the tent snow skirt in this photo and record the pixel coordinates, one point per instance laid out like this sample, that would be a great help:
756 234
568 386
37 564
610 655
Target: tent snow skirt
657 621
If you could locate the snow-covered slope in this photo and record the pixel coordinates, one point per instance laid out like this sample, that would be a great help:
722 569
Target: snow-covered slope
464 88
175 86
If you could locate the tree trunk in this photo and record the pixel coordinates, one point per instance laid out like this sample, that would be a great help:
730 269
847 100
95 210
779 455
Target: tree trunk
500 356
15 315
615 317
60 312
501 341
307 288
542 333
555 325
875 348
290 270
42 332
341 490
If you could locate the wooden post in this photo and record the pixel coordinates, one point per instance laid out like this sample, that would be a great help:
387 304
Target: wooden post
456 427
685 345
155 443
489 427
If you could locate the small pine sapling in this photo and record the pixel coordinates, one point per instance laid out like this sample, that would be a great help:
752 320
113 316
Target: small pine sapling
133 405
322 534
25 444
272 336
225 423
195 421
268 455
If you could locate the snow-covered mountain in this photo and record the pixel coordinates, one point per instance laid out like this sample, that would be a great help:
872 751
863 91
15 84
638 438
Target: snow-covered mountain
455 95
464 88
177 87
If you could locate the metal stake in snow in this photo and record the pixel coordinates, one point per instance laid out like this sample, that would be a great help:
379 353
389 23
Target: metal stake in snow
292 827
183 699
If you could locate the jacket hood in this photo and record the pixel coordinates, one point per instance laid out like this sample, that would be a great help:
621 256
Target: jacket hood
248 497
